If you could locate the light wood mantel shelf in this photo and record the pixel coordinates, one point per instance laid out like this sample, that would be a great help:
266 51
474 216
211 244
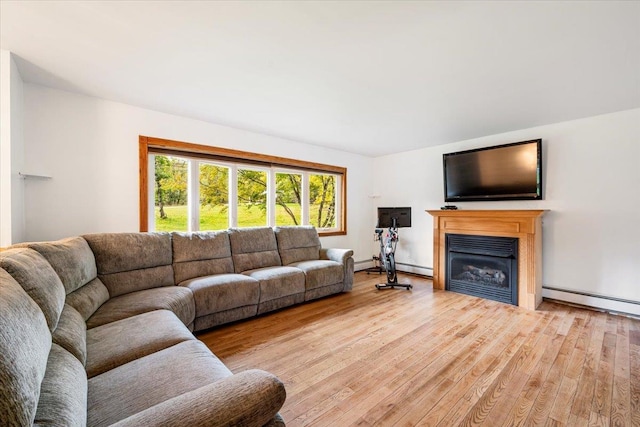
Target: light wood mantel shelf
525 225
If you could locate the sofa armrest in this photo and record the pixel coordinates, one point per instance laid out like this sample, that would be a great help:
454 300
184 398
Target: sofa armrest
337 255
344 257
249 398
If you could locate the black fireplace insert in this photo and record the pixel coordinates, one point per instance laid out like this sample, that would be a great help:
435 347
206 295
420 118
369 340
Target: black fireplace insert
482 266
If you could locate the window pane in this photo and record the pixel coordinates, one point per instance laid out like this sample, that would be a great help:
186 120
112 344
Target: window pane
288 189
322 201
252 198
214 197
170 193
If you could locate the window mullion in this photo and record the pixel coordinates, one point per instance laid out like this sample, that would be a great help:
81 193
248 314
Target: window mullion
193 195
305 203
233 196
151 192
337 191
271 197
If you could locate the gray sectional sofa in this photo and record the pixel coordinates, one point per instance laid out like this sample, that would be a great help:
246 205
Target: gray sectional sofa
97 330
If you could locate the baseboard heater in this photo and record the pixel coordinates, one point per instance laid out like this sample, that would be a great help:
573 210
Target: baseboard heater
607 303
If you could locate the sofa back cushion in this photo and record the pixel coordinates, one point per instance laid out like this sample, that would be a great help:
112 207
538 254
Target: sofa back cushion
201 254
129 262
38 279
297 243
71 258
75 264
253 247
25 343
88 299
71 333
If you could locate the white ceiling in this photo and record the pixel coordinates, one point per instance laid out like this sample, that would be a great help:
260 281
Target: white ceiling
369 77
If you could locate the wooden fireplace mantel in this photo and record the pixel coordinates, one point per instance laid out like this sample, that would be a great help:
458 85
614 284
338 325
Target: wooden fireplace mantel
525 225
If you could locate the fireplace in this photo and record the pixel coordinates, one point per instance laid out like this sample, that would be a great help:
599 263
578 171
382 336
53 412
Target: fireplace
523 225
482 266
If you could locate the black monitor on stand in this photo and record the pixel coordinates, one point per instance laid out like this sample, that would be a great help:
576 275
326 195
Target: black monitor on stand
394 217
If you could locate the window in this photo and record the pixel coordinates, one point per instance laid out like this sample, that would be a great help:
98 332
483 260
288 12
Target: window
252 198
170 193
213 182
207 188
288 198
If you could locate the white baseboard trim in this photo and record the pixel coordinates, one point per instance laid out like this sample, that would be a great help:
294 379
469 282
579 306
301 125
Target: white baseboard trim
400 266
596 301
362 265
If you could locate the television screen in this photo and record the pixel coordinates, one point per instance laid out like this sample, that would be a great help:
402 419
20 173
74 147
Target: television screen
386 217
504 172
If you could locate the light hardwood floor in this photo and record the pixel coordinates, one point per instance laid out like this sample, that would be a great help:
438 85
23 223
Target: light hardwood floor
424 357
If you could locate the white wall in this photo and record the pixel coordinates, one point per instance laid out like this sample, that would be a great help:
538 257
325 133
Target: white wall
591 178
90 148
12 226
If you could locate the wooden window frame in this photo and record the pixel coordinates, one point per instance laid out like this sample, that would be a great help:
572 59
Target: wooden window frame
154 145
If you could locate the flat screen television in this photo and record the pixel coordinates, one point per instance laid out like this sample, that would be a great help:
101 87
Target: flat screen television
503 172
386 217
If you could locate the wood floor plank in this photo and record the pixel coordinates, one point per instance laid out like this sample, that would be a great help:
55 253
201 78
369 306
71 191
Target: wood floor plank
424 358
634 384
620 399
601 405
581 407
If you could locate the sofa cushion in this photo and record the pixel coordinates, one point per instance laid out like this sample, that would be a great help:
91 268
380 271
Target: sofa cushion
63 395
253 247
120 342
71 258
278 282
248 398
320 273
129 262
32 271
88 298
297 243
201 254
221 292
25 342
71 333
177 299
150 380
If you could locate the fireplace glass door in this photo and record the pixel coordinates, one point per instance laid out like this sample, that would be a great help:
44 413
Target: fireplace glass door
483 266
